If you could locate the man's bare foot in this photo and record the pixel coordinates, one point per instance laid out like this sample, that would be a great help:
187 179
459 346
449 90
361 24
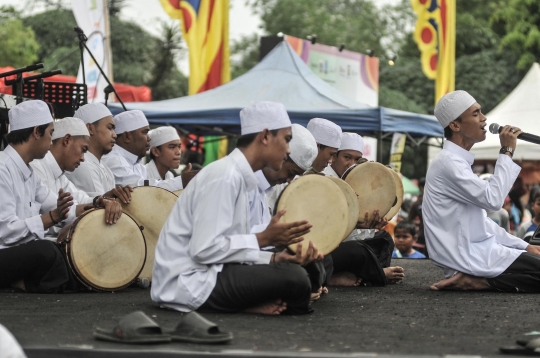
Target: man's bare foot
461 282
315 295
346 279
270 308
394 274
19 284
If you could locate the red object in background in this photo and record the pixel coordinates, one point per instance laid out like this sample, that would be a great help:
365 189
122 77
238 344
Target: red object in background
126 92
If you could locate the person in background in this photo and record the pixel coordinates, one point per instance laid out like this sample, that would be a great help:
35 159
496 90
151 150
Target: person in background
164 153
526 230
404 237
500 217
415 216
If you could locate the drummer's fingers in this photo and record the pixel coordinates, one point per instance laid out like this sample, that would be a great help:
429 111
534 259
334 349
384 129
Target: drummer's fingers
118 212
297 234
296 240
298 226
278 215
188 168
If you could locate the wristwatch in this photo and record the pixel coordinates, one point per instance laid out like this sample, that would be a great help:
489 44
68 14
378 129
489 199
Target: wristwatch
94 202
505 150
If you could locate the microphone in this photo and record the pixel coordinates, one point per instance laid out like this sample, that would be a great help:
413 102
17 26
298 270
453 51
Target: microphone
531 138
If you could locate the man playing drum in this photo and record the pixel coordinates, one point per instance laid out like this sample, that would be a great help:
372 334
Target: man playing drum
92 176
164 153
29 208
328 137
69 143
132 142
207 237
474 252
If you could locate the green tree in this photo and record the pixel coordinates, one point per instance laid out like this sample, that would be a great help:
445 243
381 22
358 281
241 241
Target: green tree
18 45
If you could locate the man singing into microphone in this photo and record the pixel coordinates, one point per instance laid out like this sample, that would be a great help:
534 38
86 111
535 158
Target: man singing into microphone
474 252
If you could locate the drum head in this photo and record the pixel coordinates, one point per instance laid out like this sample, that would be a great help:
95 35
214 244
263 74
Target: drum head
178 192
399 195
352 203
107 257
321 202
375 187
150 206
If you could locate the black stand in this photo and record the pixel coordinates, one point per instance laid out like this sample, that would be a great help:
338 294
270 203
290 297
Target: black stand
82 46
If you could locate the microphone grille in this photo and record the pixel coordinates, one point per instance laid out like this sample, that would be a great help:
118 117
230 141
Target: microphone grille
494 128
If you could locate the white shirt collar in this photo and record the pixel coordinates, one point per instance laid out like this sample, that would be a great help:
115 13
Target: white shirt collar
245 169
53 165
88 156
262 183
457 150
130 157
19 162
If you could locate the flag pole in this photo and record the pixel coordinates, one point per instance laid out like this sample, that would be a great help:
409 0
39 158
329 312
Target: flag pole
108 51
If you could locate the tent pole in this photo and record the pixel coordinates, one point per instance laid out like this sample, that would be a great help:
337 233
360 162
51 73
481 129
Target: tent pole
379 151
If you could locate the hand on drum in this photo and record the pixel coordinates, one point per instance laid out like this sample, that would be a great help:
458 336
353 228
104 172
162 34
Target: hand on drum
120 192
375 223
283 234
533 249
187 175
312 254
63 204
113 209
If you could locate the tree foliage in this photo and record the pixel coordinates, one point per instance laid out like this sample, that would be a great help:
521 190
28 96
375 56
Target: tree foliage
18 45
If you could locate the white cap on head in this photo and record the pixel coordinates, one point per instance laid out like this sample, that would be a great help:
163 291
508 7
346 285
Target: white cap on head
162 135
325 132
129 121
303 147
92 112
263 115
452 105
69 125
352 141
29 114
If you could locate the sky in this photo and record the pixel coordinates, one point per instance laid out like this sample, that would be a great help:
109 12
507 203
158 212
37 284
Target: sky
149 14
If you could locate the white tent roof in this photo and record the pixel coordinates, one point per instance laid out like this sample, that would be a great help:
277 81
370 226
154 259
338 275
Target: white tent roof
521 108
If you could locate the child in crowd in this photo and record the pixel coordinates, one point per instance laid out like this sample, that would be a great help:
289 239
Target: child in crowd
526 230
404 237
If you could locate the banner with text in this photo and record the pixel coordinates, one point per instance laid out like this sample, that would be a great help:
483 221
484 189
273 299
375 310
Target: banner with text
396 151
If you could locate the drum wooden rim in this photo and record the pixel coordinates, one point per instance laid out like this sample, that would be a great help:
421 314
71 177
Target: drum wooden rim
375 187
352 203
323 204
178 192
96 252
150 207
399 195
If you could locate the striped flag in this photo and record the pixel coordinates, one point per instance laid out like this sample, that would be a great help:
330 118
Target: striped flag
205 26
435 35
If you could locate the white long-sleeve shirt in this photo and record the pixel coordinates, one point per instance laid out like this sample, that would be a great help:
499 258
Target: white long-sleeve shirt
459 235
258 205
153 173
330 171
92 176
128 170
51 175
208 227
24 198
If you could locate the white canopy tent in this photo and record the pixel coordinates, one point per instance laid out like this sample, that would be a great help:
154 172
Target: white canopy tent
521 108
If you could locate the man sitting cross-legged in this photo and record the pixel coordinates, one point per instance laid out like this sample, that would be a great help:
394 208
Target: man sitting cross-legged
474 252
206 257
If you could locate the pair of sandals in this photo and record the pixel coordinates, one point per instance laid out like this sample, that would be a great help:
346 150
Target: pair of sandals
529 347
138 328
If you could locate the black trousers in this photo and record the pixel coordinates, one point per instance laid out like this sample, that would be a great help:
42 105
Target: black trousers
243 286
523 275
365 258
39 263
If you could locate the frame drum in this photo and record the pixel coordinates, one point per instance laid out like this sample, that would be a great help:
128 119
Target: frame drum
352 203
375 188
104 257
150 206
399 195
321 202
178 192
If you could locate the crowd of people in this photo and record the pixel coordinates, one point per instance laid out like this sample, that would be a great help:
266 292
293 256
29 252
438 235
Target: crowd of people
223 246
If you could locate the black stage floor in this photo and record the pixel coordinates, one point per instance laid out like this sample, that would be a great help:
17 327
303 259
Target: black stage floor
403 319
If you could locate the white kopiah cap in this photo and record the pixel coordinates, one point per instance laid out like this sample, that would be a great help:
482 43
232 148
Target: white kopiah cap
92 112
325 132
303 147
129 121
29 114
263 115
451 106
352 141
162 135
69 125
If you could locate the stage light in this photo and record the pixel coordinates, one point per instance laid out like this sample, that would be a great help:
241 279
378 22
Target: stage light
341 47
280 34
312 38
392 60
370 53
